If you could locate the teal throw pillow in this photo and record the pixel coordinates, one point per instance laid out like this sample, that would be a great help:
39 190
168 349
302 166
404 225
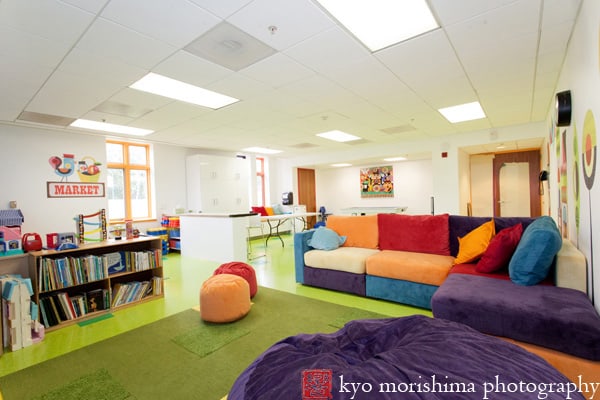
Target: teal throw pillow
326 239
534 255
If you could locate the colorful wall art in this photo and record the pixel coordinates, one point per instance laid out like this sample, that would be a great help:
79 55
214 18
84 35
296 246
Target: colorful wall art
377 182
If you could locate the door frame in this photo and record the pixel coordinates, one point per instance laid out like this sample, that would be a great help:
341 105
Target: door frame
533 158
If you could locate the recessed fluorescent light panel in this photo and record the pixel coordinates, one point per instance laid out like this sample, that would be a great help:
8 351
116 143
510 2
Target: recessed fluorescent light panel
463 112
395 159
112 128
338 136
261 150
341 165
382 23
174 89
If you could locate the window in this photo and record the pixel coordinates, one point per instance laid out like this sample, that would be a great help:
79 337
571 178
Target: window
260 180
128 181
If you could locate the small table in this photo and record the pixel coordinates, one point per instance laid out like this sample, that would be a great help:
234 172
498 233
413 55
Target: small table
275 221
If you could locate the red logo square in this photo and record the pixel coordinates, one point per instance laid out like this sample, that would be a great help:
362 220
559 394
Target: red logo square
316 384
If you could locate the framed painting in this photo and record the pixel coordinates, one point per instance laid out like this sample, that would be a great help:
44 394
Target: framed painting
377 182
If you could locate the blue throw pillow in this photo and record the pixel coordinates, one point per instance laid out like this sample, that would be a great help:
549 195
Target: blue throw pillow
535 252
326 239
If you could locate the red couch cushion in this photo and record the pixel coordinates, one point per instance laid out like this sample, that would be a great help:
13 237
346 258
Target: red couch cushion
417 233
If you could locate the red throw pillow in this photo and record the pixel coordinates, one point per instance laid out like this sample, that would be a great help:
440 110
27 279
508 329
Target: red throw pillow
500 250
260 211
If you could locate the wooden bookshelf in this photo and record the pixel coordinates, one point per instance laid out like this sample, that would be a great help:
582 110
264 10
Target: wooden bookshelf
78 284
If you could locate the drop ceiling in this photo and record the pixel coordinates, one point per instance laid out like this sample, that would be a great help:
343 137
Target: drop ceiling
69 59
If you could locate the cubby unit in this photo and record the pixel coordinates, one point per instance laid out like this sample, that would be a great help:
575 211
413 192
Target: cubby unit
94 279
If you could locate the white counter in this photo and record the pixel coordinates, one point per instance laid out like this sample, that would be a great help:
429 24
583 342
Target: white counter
219 237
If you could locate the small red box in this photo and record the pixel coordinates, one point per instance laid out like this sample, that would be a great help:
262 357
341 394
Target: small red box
52 240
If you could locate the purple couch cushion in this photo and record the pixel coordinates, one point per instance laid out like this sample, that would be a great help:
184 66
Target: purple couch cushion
557 318
460 225
336 280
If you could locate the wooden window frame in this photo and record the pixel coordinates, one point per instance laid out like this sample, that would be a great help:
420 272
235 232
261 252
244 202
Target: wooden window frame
261 175
127 168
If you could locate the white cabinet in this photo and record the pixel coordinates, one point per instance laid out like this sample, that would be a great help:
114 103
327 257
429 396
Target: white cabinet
217 184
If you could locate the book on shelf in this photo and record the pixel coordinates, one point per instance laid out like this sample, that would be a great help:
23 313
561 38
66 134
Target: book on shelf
59 273
96 300
129 292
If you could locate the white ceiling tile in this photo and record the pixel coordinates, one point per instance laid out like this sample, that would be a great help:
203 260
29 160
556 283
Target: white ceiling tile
556 12
239 86
70 96
140 99
93 65
24 47
93 6
277 70
191 69
291 21
328 50
111 40
450 13
110 118
170 115
222 9
48 19
178 24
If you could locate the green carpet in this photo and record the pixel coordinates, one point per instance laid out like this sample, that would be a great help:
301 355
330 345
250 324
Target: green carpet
179 357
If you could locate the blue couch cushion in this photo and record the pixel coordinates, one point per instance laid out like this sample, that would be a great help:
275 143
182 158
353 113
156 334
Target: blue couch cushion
535 252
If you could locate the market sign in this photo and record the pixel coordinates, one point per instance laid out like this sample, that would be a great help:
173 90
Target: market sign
75 189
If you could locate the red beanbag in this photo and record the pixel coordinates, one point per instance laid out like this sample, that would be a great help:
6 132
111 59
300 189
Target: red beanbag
240 269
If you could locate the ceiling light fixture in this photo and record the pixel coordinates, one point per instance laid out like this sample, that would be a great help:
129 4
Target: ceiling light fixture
262 150
382 23
174 89
395 159
341 165
338 136
463 112
112 128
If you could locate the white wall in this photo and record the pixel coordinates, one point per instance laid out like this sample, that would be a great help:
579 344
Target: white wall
25 151
581 75
339 188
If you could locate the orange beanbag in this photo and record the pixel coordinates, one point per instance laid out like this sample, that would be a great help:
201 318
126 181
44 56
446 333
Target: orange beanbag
224 298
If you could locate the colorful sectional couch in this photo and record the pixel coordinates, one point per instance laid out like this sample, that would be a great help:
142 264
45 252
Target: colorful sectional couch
509 277
396 257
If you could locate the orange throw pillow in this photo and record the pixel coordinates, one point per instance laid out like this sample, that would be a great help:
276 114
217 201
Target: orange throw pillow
474 243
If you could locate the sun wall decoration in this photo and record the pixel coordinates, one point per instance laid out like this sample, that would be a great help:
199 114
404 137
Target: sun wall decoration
377 182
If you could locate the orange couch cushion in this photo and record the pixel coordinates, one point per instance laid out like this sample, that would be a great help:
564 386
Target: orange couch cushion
360 230
431 269
575 368
473 244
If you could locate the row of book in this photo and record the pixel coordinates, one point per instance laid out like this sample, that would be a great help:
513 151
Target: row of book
129 292
140 260
63 272
61 306
58 273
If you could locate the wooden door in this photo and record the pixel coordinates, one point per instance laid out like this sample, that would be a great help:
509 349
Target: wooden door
532 158
307 193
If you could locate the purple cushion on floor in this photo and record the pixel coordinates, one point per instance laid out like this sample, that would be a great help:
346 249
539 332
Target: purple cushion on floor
557 318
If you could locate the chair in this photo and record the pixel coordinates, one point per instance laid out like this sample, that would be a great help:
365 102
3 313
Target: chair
322 217
254 225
